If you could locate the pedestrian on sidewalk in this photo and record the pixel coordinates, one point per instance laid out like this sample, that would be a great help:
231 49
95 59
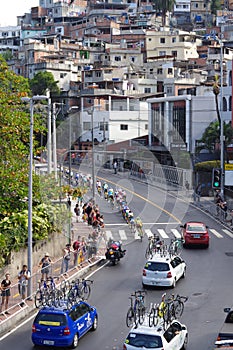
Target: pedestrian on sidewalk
5 292
76 247
23 277
77 212
45 265
115 167
66 258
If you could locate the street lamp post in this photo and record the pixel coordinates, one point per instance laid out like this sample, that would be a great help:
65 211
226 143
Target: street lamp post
31 100
93 155
221 120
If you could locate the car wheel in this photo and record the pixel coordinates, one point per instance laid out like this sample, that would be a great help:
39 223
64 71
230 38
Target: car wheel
143 285
174 283
75 342
185 344
95 324
184 273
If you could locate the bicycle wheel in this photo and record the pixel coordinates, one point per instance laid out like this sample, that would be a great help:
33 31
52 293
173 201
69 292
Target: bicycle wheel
130 317
178 308
38 299
64 287
141 314
86 291
153 317
148 252
58 298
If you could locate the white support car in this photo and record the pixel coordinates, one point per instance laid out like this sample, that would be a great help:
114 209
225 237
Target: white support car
163 271
174 337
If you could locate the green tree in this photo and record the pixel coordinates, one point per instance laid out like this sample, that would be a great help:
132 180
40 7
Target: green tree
42 82
211 136
215 5
163 7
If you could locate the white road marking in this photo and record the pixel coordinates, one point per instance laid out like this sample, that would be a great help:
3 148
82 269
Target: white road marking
148 233
230 234
122 235
162 233
215 233
108 235
176 233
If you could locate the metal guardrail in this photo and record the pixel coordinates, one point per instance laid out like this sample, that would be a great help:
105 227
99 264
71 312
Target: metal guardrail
95 249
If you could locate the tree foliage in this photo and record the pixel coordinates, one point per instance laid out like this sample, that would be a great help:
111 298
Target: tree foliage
42 82
163 7
211 135
14 170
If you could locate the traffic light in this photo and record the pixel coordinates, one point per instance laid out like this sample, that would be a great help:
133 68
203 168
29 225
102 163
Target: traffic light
216 178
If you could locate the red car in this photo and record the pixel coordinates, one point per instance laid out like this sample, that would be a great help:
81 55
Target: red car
195 233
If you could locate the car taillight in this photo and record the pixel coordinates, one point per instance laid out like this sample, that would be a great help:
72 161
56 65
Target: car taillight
169 274
144 272
218 338
67 331
33 328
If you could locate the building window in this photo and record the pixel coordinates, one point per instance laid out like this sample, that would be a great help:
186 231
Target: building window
169 90
103 126
146 126
174 53
147 90
160 71
224 102
174 40
162 53
162 40
86 125
230 78
149 39
98 74
196 5
169 71
124 127
117 58
230 103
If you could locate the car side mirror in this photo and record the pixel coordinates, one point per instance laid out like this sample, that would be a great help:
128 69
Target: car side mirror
207 226
227 309
183 328
182 226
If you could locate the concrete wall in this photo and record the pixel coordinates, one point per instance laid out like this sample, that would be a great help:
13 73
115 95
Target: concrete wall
53 245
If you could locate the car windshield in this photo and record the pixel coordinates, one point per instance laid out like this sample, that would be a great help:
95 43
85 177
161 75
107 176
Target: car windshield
51 319
146 341
193 228
156 266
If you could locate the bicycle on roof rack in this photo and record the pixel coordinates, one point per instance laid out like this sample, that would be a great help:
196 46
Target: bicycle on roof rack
137 309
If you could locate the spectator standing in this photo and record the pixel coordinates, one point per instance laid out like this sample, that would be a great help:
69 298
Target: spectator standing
115 167
76 246
45 264
23 277
66 258
5 292
77 212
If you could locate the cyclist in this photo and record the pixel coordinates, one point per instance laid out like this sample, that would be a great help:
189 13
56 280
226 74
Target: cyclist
162 307
110 195
98 186
139 224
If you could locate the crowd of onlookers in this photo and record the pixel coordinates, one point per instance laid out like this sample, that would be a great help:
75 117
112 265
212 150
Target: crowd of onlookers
73 254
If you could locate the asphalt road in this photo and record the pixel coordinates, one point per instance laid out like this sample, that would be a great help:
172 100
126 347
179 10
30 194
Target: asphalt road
208 281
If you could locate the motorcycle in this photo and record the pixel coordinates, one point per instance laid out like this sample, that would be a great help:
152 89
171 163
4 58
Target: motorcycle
114 253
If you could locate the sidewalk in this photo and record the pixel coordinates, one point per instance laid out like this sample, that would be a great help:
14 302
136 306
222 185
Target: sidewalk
16 312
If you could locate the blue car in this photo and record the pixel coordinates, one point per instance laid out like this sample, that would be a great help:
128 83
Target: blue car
62 327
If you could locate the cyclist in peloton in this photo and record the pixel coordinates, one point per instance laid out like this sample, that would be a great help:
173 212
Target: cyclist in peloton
105 189
110 195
